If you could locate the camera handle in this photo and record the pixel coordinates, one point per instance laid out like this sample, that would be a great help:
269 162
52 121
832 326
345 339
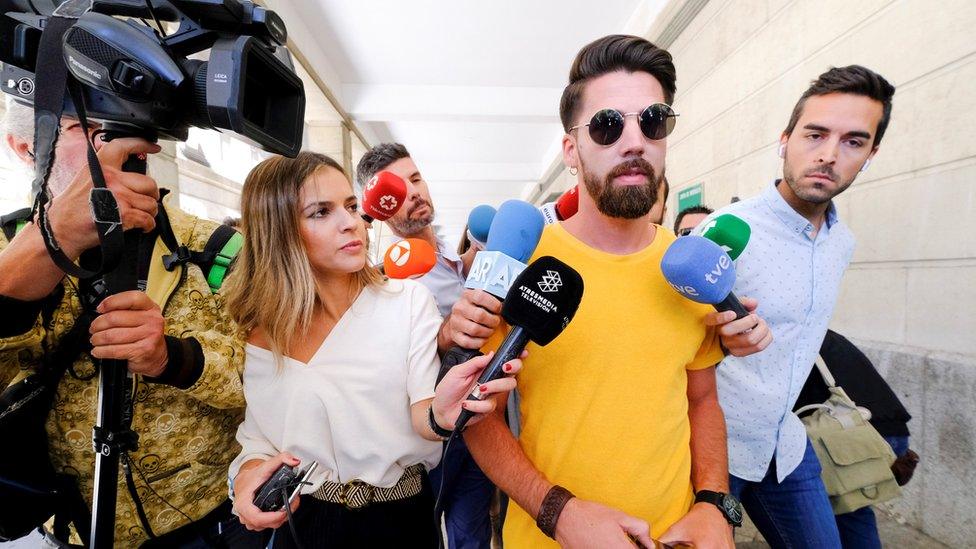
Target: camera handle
112 434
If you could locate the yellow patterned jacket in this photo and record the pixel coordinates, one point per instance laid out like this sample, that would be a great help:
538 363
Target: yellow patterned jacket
186 437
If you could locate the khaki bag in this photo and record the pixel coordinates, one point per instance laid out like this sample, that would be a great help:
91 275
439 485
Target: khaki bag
855 459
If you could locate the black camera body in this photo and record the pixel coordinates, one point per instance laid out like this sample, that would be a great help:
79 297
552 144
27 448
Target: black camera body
269 497
136 78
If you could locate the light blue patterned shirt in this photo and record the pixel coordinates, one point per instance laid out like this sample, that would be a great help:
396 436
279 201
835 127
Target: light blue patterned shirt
796 279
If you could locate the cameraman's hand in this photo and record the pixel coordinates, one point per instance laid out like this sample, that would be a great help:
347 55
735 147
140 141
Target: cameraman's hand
584 524
137 196
252 475
130 327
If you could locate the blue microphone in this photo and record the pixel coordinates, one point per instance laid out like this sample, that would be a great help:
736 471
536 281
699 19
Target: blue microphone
515 232
479 224
700 270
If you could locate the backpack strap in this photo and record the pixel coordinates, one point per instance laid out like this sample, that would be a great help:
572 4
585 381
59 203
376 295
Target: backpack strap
13 222
216 258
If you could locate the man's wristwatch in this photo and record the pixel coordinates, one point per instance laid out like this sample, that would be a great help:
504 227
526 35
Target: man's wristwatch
726 503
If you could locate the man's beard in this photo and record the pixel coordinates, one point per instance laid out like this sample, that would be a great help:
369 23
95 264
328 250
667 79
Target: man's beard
62 173
814 195
625 201
409 226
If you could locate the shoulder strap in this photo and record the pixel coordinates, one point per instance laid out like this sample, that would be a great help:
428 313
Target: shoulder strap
14 221
216 258
824 372
220 251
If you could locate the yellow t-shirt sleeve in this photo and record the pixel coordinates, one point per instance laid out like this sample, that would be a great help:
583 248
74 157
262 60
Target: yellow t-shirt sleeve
710 353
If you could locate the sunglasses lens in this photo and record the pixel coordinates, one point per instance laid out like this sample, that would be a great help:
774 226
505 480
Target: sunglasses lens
606 126
657 121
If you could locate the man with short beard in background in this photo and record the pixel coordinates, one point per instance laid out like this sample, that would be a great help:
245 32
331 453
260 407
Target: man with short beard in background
467 499
621 408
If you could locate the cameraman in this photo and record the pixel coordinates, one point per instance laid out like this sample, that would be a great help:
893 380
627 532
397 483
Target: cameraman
182 349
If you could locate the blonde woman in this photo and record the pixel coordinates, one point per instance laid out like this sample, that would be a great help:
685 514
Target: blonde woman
340 367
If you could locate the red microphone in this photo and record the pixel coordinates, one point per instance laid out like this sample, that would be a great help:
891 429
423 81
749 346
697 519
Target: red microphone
409 258
383 196
568 204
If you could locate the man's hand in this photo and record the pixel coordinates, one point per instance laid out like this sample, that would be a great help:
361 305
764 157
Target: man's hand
474 318
584 524
130 327
704 527
251 476
137 196
745 336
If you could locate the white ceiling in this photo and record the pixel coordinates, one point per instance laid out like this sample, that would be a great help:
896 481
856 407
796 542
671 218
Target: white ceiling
471 88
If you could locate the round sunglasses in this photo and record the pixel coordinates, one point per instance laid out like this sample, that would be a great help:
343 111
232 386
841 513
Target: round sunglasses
606 126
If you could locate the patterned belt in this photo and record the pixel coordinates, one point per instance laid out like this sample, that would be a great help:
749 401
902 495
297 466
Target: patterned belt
357 494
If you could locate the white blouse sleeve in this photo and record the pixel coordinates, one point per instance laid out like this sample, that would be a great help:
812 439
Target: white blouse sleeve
422 361
254 445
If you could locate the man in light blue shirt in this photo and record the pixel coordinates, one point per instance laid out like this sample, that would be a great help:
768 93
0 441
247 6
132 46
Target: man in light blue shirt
793 265
467 504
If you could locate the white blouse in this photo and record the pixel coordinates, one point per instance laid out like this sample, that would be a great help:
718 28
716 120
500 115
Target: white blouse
348 408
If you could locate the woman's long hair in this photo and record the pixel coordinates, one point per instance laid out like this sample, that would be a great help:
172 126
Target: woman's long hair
273 285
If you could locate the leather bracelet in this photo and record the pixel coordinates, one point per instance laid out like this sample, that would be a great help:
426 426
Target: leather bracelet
552 505
437 429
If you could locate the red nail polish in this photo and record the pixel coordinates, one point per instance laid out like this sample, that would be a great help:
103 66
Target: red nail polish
484 388
507 367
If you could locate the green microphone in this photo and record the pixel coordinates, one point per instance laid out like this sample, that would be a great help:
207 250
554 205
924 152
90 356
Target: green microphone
729 232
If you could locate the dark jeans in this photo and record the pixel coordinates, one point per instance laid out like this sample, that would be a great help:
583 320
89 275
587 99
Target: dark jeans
467 498
405 523
795 513
859 529
219 529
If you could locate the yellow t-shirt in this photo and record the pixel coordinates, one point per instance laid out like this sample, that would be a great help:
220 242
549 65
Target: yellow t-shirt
604 409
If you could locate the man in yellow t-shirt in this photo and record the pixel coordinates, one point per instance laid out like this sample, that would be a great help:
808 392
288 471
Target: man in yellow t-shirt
620 421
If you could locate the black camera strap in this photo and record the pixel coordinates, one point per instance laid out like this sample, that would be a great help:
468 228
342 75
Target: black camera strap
52 80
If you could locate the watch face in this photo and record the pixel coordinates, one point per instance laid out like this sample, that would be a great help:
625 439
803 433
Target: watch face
733 509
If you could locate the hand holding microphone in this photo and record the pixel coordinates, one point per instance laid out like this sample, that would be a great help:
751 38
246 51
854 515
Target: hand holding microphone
542 302
383 196
701 271
513 236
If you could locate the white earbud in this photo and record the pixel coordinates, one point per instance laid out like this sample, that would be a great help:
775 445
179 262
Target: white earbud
867 163
782 151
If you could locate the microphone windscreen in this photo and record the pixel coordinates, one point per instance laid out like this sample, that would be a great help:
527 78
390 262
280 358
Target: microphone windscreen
515 230
731 234
409 258
568 203
543 299
479 222
383 195
698 269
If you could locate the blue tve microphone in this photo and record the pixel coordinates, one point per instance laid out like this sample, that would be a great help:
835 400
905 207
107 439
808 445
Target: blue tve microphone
700 270
479 224
514 234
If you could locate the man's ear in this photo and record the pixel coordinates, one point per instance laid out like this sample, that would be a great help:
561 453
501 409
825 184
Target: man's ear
570 153
864 167
781 151
21 148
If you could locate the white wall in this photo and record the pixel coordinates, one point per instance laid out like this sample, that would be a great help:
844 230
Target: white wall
909 295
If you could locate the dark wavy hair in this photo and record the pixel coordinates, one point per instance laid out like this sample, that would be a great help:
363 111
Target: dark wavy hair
617 52
853 79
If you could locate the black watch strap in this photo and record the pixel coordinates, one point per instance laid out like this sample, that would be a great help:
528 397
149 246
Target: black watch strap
726 503
437 429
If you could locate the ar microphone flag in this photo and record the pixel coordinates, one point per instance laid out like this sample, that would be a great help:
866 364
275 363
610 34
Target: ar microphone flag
542 302
700 270
479 224
383 196
514 234
731 233
409 258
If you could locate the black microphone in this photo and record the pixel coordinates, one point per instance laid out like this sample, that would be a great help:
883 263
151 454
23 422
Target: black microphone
540 304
